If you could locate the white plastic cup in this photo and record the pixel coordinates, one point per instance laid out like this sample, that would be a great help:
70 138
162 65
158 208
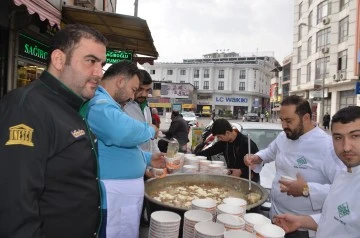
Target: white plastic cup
252 219
287 178
238 234
157 172
239 202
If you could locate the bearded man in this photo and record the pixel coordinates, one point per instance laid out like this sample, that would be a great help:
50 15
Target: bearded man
305 153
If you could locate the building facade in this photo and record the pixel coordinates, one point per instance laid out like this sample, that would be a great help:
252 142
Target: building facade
325 64
223 81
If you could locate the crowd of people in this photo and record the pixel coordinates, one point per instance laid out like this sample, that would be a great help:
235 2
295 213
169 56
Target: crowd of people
75 145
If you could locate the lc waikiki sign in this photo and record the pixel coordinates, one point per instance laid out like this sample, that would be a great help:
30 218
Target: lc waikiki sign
230 100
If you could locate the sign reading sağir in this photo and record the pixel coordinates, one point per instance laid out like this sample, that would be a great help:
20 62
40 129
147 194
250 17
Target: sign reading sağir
115 56
32 49
225 100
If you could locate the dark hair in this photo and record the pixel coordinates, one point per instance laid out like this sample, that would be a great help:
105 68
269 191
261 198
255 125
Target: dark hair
145 77
220 127
302 105
67 38
175 113
126 68
346 115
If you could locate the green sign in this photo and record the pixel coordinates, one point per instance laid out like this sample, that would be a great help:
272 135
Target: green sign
32 49
114 56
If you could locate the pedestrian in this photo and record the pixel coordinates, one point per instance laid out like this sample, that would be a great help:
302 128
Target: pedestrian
340 213
303 152
179 130
155 117
262 117
213 114
48 164
234 146
122 163
326 121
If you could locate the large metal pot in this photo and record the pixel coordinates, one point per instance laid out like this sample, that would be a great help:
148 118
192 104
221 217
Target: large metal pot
230 182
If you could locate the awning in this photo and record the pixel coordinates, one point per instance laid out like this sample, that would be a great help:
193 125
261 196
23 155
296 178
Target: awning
123 32
44 9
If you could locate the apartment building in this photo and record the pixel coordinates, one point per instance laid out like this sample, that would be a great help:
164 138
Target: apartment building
223 80
325 64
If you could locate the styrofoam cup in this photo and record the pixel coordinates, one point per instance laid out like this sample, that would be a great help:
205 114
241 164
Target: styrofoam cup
238 234
287 178
235 201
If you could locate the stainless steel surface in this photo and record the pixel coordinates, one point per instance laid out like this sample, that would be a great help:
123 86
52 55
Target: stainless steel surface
237 184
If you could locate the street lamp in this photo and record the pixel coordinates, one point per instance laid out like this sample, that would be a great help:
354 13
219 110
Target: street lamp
324 51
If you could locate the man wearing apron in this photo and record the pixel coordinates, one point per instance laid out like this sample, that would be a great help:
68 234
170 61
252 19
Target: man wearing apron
122 163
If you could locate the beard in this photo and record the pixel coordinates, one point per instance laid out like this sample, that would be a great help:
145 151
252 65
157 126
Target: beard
120 98
295 133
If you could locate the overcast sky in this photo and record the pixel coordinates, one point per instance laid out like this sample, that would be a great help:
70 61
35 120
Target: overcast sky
185 29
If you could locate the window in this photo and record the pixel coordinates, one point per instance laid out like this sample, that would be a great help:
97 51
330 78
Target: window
182 81
169 72
343 29
242 74
309 46
152 71
322 11
299 54
221 74
343 4
299 32
298 77
300 10
308 72
196 73
221 85
206 84
322 39
342 61
242 86
322 67
196 84
310 20
206 73
182 72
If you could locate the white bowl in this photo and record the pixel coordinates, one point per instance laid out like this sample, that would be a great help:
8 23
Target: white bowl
165 217
269 230
198 215
238 234
210 228
235 201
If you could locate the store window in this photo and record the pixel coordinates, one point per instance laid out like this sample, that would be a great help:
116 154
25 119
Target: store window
27 72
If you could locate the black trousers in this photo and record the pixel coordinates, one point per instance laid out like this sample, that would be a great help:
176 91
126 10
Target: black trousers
298 234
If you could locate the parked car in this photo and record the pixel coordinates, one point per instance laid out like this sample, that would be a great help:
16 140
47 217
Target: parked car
190 118
252 117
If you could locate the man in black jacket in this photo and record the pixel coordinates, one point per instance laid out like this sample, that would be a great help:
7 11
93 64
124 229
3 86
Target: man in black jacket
234 147
179 130
48 166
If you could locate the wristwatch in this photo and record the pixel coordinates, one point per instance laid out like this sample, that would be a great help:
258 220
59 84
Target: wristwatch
305 191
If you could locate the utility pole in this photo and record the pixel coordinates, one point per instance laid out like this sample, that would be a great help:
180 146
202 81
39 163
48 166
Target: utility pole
136 8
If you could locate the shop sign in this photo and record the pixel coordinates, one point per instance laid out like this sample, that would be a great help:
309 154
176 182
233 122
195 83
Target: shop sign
115 56
231 99
154 104
32 49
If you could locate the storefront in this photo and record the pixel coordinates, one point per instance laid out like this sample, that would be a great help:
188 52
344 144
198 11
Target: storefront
236 104
31 60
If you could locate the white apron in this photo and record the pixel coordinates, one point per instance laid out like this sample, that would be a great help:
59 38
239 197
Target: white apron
124 204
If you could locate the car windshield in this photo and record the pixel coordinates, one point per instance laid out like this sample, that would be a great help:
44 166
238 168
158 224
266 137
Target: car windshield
188 114
262 137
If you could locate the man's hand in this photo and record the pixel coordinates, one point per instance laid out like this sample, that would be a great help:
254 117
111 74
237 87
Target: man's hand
288 222
235 172
252 160
158 160
294 188
156 130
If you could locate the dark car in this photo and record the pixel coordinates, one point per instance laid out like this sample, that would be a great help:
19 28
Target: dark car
252 117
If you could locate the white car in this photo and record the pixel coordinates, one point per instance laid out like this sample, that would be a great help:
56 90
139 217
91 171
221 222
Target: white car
190 118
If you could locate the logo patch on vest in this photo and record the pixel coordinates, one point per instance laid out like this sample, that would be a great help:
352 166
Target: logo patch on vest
343 210
20 135
77 133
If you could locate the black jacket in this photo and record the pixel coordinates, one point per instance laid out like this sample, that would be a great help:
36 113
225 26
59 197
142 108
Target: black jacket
179 130
48 165
234 154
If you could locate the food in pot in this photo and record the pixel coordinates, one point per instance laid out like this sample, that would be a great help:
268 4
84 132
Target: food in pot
253 197
182 195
